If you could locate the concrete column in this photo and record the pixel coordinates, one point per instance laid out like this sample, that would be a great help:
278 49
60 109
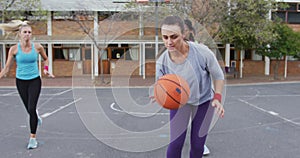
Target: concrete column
142 60
49 23
49 33
50 58
241 62
96 51
3 55
267 65
227 55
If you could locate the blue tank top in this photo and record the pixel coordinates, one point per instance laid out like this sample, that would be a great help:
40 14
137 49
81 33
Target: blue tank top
27 66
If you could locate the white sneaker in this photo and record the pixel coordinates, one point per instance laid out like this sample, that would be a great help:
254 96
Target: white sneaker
32 143
40 121
206 151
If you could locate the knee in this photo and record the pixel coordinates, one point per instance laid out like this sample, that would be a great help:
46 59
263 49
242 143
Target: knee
32 111
176 146
197 145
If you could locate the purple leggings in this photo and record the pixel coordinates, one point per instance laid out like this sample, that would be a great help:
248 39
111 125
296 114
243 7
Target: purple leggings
201 114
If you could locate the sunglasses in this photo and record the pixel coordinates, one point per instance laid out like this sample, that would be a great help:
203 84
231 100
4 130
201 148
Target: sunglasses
171 37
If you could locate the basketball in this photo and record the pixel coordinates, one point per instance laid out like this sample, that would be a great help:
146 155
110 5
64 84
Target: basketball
171 91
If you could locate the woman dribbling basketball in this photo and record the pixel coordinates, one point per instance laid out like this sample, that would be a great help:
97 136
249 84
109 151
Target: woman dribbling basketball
196 64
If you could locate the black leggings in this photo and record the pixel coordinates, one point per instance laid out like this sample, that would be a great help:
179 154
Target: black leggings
29 90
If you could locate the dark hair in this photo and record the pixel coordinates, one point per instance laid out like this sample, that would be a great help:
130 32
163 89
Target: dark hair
189 24
173 20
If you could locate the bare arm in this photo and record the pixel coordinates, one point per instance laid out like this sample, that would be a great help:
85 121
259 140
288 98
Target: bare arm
11 53
42 52
218 84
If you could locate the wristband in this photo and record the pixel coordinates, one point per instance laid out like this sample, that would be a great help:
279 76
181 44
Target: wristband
218 96
46 67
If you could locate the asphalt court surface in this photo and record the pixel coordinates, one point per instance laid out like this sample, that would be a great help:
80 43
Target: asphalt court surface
261 121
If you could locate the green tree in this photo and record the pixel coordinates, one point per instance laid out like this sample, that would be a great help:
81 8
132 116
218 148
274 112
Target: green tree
208 13
287 43
247 23
21 9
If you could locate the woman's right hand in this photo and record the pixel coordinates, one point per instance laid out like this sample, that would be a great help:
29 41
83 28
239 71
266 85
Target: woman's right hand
152 98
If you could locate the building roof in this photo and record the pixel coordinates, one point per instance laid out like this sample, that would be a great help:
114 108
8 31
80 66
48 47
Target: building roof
70 5
289 1
82 5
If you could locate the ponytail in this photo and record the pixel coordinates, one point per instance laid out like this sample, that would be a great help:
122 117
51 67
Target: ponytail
13 26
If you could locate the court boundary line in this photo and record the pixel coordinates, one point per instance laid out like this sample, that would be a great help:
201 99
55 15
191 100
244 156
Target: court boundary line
47 114
275 114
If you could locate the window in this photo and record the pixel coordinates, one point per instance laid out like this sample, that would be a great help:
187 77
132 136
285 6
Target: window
58 54
117 53
67 52
281 15
150 50
150 53
292 7
232 54
248 54
74 54
124 51
294 17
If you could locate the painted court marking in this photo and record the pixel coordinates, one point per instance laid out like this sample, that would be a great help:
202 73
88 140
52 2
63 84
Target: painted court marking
270 112
112 106
45 115
8 94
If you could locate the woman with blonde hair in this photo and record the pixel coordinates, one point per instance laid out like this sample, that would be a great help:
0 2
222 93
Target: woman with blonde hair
28 80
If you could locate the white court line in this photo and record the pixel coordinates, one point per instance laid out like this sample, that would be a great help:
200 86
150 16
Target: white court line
7 94
261 96
60 93
270 112
15 93
56 94
137 113
45 115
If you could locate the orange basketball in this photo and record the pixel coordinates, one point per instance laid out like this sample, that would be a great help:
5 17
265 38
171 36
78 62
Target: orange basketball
171 91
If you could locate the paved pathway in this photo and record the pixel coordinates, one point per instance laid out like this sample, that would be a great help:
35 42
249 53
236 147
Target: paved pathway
134 81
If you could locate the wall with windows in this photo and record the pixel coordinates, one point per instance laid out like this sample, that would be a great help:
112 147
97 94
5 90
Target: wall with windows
290 15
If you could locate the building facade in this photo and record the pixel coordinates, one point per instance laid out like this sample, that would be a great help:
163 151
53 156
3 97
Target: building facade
101 37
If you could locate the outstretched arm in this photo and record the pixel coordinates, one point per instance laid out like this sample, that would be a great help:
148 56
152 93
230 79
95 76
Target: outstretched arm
217 100
42 52
11 53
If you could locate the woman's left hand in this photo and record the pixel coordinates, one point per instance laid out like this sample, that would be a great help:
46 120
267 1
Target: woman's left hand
219 107
46 72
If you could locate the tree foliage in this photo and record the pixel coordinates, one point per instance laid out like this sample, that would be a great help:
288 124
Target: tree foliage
287 43
21 9
248 24
208 13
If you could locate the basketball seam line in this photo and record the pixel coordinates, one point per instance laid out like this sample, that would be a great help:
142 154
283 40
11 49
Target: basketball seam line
176 84
170 95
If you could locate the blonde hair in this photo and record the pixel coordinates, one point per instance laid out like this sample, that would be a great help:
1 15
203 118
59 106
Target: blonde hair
14 26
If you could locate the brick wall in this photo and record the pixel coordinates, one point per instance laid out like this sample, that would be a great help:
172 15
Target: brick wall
295 27
253 67
125 68
39 28
67 68
69 28
150 68
258 67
